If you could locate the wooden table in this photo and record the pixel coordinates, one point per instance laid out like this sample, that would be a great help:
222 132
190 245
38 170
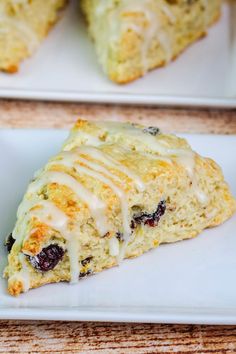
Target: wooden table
77 337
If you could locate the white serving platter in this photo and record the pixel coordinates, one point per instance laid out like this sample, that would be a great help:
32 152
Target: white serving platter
187 282
65 68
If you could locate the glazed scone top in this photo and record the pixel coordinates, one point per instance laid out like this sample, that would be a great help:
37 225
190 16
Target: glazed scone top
147 18
100 171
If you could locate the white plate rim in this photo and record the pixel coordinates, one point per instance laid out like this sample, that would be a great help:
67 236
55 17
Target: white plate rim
130 315
117 98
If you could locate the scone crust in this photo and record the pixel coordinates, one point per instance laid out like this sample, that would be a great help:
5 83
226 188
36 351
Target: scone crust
23 29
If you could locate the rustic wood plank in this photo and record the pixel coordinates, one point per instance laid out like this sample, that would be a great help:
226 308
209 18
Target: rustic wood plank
77 337
22 114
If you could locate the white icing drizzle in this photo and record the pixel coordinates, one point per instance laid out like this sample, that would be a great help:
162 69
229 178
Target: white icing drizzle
110 162
183 156
165 41
24 273
52 216
133 134
97 207
211 214
200 195
73 249
152 31
45 210
168 13
94 166
155 157
70 159
103 6
78 137
189 164
48 213
28 35
121 255
119 24
114 247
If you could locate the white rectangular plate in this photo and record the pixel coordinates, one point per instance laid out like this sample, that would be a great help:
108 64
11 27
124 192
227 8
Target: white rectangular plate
65 68
187 282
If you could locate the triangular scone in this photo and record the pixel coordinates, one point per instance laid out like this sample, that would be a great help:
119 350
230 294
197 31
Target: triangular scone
115 191
23 25
135 36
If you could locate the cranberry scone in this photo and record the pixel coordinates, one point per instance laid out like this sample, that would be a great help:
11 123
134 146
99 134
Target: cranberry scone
135 36
115 191
23 25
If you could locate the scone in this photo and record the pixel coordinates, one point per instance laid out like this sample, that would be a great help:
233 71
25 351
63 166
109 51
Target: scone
115 191
23 25
135 36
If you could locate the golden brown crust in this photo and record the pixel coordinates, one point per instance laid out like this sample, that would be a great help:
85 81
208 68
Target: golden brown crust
15 288
33 244
19 52
114 76
12 69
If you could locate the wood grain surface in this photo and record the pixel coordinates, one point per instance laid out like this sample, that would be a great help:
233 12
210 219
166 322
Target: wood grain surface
78 337
21 114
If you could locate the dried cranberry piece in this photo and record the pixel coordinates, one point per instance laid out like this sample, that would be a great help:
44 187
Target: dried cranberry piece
48 258
133 225
9 242
152 130
149 219
86 261
85 274
119 236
